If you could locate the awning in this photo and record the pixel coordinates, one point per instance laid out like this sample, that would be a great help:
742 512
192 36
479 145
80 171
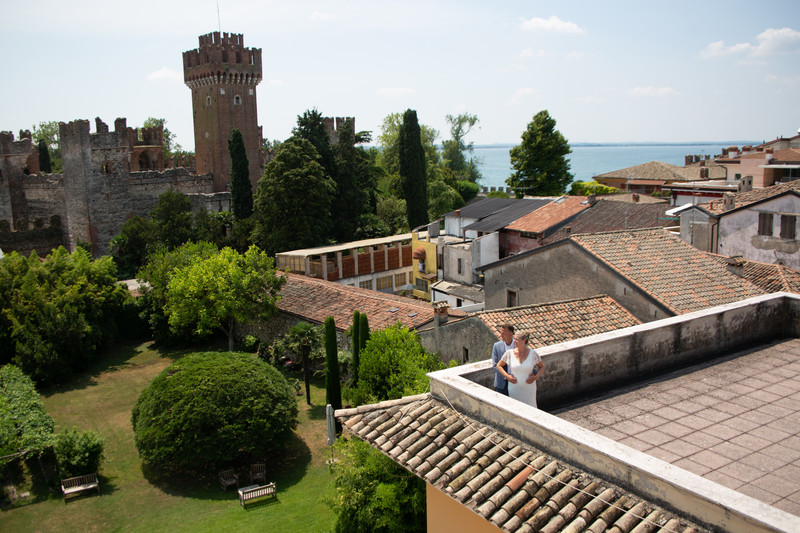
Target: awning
429 276
419 253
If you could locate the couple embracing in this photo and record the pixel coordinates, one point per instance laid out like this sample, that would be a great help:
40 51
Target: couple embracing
517 366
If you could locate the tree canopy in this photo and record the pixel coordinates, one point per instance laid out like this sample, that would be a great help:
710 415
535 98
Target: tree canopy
49 134
540 162
208 410
389 141
217 292
293 200
56 314
412 170
453 150
24 422
241 189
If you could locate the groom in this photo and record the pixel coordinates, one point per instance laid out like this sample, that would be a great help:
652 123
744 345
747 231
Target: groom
499 348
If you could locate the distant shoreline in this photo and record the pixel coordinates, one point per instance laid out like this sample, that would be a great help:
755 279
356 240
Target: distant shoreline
585 144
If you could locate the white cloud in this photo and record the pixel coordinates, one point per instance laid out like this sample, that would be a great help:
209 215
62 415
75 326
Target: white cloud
771 41
318 16
653 91
530 52
553 24
395 92
575 55
522 94
165 73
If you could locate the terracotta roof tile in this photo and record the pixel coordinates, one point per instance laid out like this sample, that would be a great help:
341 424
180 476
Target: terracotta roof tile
658 170
315 300
510 483
549 215
743 199
556 322
676 274
766 276
607 215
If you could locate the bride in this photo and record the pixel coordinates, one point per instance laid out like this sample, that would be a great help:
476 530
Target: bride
522 367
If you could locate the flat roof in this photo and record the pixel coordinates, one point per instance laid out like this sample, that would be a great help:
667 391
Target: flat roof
320 250
734 420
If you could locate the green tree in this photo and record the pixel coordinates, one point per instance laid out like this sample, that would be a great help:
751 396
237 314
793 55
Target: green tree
50 133
467 189
44 157
303 338
172 217
355 332
155 276
392 212
131 247
293 200
25 425
355 186
453 150
363 330
389 141
442 199
412 170
373 493
393 364
333 386
57 313
209 410
241 190
540 162
226 288
585 188
78 452
311 128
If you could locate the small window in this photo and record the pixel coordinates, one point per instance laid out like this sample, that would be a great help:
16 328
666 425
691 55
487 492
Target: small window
464 355
422 285
222 91
237 100
399 279
788 226
737 176
208 101
366 284
459 302
765 224
511 298
384 283
251 92
460 266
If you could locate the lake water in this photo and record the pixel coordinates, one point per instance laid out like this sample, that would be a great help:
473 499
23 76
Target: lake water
587 160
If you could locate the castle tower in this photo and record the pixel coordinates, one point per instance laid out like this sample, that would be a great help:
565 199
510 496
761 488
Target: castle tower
223 75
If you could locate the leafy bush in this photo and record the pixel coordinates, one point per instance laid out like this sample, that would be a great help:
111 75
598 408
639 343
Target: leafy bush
249 343
586 188
208 410
373 493
24 423
393 364
78 452
56 315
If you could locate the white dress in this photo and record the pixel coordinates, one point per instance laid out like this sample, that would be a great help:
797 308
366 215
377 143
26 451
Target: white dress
524 392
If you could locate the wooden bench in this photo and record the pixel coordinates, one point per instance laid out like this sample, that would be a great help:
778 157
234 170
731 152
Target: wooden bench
253 492
228 478
258 473
73 485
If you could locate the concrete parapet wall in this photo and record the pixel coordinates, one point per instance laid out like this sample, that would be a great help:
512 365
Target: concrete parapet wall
600 361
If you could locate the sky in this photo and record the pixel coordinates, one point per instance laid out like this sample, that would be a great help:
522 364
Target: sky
608 71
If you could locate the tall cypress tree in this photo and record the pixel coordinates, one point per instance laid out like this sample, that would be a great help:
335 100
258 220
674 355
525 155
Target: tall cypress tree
333 387
44 157
363 333
355 330
412 170
241 190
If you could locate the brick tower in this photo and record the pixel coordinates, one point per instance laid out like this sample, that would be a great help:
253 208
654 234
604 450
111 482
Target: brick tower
223 75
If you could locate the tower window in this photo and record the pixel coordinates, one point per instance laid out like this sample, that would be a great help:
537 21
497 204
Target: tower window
208 101
237 100
251 92
238 57
222 91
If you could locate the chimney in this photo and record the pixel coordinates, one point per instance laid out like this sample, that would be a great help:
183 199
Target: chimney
592 199
433 229
735 265
458 213
440 310
567 231
687 160
746 184
728 201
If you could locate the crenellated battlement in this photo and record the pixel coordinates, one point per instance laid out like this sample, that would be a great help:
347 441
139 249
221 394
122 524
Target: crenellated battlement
222 60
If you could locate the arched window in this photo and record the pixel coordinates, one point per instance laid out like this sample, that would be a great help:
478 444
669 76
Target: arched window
208 101
237 100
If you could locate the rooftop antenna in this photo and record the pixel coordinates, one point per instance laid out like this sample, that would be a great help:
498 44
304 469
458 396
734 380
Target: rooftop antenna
219 23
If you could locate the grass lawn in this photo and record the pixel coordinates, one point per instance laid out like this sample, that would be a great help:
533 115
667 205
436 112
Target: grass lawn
102 400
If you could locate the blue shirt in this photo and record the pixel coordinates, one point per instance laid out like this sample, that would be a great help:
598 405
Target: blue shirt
498 349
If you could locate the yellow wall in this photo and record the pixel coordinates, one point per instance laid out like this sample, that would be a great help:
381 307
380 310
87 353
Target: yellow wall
446 515
430 264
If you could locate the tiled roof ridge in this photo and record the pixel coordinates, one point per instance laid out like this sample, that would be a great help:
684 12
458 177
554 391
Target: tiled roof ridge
542 486
745 198
632 230
361 409
347 288
634 281
545 304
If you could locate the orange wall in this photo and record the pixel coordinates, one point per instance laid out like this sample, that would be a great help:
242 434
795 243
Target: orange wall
446 515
